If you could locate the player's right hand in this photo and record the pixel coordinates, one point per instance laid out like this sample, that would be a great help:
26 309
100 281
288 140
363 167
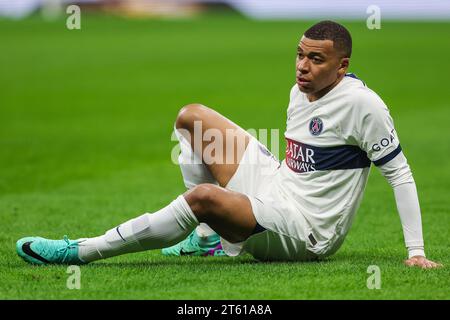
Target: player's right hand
422 262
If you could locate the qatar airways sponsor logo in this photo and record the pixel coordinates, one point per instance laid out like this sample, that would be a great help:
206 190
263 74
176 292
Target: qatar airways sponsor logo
299 157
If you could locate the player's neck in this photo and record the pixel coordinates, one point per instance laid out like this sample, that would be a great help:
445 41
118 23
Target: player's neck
319 94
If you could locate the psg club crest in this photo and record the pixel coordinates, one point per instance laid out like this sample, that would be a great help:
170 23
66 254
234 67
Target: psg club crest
315 126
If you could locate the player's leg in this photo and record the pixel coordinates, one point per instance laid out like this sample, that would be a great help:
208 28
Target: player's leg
203 241
195 121
228 212
203 128
194 172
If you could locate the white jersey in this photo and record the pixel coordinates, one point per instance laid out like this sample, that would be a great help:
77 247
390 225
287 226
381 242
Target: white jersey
331 144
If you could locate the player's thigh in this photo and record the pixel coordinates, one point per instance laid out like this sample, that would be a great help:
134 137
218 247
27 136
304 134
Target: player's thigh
220 142
228 213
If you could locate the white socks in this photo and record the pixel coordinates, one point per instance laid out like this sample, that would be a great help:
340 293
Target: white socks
161 229
194 172
193 169
203 230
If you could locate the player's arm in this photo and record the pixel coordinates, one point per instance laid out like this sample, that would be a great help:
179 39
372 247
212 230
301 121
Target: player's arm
399 176
379 139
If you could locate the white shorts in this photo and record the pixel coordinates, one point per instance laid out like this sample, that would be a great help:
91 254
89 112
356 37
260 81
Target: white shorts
284 238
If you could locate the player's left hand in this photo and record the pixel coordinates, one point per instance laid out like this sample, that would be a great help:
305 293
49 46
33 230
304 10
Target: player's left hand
422 262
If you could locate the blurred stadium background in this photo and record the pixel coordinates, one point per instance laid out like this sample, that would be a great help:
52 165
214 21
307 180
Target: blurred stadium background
260 9
85 135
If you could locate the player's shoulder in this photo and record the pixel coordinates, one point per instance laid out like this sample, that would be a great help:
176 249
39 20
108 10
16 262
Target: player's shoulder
362 98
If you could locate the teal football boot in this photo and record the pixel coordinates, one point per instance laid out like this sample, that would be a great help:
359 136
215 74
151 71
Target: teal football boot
37 250
196 246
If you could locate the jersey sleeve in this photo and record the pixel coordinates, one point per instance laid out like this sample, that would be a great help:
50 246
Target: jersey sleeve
376 132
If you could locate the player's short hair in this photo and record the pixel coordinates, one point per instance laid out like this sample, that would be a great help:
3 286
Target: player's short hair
330 30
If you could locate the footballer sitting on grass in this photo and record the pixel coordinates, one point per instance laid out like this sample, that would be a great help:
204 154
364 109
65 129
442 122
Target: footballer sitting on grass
298 210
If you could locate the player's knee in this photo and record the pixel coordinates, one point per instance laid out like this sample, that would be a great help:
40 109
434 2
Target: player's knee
189 114
203 199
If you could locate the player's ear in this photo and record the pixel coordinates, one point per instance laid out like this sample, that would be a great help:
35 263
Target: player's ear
343 67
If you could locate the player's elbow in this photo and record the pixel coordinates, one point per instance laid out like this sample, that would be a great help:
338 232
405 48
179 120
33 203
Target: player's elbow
189 114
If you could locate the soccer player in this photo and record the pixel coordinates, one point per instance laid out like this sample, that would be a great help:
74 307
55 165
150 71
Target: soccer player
298 210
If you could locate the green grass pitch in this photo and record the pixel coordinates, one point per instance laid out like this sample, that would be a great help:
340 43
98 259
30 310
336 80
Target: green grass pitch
85 126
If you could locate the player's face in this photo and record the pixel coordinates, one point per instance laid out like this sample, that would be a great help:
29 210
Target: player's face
319 67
